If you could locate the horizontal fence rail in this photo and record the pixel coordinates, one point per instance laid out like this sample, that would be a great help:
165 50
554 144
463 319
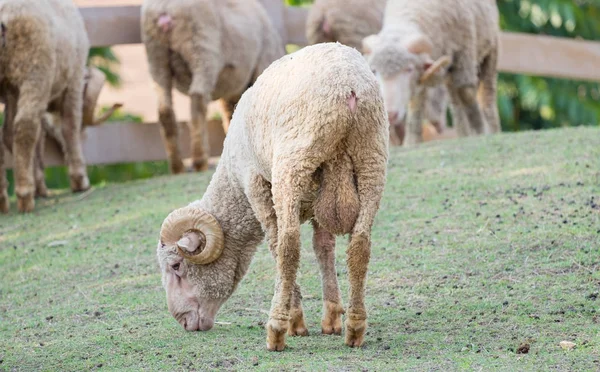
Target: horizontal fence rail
131 142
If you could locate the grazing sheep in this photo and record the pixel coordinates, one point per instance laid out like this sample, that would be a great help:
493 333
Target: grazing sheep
349 22
308 141
43 53
462 34
207 49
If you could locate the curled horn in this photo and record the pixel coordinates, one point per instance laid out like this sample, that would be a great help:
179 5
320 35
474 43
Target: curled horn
104 117
94 82
196 233
434 68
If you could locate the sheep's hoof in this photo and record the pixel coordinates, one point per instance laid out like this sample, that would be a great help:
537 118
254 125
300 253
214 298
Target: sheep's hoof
297 326
200 165
25 203
177 167
4 203
41 191
276 330
79 182
355 331
331 324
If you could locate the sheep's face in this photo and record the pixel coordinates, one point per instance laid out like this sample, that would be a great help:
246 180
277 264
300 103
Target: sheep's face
402 66
191 296
196 281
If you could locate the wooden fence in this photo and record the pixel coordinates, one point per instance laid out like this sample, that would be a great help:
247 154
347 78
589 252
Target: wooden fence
130 142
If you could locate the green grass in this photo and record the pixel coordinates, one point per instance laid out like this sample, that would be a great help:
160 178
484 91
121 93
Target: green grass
480 245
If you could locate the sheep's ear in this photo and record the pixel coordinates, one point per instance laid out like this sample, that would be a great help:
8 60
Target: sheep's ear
419 45
368 44
432 68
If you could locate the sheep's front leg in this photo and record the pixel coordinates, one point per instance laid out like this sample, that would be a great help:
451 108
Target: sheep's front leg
414 122
462 87
324 246
468 97
199 133
227 107
71 132
487 94
261 200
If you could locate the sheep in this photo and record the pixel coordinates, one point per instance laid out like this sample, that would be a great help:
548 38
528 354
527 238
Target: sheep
349 22
207 49
462 38
43 53
308 141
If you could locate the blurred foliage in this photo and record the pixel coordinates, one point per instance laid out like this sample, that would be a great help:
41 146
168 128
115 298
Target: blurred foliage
106 61
531 102
528 102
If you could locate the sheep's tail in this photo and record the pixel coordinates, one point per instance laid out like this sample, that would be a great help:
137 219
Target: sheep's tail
337 205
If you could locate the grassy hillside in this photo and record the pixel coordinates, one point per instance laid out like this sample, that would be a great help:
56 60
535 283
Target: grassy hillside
480 246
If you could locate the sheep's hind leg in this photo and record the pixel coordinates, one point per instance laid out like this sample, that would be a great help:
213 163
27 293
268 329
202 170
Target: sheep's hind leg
290 178
6 143
199 133
40 183
27 126
261 200
158 58
71 132
4 202
370 171
324 246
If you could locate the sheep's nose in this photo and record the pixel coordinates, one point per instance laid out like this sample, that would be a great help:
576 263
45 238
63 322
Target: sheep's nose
206 324
392 116
190 322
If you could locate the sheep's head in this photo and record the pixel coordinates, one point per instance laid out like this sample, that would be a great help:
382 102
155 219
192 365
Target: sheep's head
402 66
191 243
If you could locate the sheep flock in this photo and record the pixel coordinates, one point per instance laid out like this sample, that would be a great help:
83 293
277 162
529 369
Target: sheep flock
307 133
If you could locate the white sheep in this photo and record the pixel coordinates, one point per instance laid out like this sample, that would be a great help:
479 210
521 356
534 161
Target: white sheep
422 43
309 140
43 54
207 49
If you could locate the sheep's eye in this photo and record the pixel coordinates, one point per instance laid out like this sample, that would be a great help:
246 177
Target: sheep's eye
175 267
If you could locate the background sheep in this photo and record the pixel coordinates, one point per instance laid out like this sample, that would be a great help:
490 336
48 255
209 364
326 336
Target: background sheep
208 49
308 141
462 34
349 22
43 54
